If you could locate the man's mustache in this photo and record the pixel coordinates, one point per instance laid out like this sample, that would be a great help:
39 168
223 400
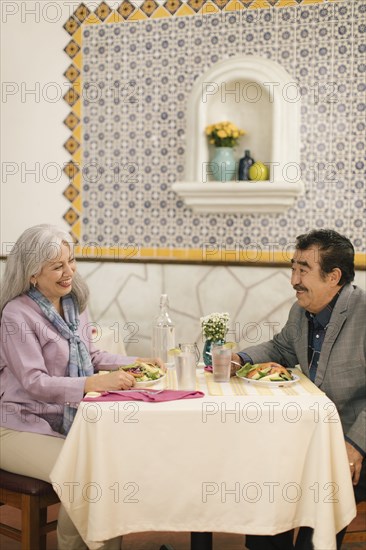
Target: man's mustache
298 287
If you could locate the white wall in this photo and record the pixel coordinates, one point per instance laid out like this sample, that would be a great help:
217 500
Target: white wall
32 58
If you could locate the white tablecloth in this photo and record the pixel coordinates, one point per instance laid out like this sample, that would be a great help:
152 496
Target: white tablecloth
241 460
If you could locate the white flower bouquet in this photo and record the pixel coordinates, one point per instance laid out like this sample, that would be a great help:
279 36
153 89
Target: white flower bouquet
215 326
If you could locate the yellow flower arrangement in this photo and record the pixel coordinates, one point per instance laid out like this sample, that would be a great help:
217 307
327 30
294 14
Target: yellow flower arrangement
223 134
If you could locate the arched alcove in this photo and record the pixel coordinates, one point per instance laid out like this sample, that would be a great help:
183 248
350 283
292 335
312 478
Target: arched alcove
259 96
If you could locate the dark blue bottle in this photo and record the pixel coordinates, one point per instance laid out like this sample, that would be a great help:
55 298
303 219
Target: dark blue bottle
244 164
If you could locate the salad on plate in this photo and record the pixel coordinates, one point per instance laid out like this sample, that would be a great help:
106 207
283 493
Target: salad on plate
266 373
144 373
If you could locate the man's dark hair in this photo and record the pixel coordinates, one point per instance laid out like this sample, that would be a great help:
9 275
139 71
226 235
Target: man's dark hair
335 251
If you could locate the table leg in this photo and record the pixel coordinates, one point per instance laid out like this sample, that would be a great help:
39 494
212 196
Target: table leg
201 541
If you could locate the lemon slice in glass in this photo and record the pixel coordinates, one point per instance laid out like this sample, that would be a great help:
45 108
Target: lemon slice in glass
174 351
229 345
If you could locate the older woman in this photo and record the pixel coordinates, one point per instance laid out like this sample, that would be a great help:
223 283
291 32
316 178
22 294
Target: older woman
47 360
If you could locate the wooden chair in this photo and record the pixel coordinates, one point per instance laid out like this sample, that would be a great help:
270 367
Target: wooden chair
356 531
32 497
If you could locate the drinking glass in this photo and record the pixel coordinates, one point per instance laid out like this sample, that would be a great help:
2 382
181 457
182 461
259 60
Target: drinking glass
185 367
190 348
221 362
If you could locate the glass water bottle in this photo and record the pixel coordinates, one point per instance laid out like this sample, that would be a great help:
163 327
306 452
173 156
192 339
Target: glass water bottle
163 335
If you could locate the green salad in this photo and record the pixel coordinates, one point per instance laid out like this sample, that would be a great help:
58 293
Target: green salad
143 372
263 372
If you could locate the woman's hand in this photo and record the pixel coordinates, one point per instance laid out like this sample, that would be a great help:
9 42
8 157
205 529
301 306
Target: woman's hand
355 462
154 360
114 380
118 379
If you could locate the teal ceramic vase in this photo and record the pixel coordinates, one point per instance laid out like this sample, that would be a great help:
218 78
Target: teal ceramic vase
223 165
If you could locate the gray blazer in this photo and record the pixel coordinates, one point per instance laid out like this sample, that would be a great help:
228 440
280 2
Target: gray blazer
341 372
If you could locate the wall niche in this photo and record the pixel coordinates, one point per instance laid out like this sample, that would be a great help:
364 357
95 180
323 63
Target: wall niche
262 98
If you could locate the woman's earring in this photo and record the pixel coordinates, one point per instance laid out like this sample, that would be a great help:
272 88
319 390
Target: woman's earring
34 283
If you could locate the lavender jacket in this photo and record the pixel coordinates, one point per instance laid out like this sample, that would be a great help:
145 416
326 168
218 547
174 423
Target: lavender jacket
34 384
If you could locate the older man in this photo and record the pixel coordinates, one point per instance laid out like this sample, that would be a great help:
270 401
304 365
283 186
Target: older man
326 335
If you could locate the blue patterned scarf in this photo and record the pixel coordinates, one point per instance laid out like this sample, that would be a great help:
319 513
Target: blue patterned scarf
79 361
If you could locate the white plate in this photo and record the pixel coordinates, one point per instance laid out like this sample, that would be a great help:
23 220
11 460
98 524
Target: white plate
147 383
270 383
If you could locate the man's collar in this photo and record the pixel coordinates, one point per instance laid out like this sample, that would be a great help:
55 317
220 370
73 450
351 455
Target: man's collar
323 317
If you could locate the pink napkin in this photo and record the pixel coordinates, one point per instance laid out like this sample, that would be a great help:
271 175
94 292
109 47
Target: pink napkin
208 368
151 396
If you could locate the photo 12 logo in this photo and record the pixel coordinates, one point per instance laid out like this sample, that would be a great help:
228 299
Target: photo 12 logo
250 92
92 492
272 492
36 12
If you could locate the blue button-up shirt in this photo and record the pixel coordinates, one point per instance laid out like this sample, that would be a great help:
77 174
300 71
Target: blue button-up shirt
318 324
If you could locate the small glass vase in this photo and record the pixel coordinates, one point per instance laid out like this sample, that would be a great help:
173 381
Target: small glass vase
223 164
206 352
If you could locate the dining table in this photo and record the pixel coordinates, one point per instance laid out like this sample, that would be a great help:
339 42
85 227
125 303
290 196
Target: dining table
231 457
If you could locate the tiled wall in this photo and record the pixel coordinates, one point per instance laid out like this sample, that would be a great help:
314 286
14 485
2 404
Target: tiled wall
153 51
136 78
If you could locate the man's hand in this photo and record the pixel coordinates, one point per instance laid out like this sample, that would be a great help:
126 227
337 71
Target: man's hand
355 459
236 365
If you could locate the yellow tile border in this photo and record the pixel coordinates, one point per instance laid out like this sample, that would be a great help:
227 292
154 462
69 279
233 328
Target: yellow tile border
195 255
209 8
160 13
234 5
287 4
184 10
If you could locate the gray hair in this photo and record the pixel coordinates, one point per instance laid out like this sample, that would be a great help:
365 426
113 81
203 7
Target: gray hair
34 248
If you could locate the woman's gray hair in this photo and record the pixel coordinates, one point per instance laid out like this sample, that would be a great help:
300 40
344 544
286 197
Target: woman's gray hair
34 248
